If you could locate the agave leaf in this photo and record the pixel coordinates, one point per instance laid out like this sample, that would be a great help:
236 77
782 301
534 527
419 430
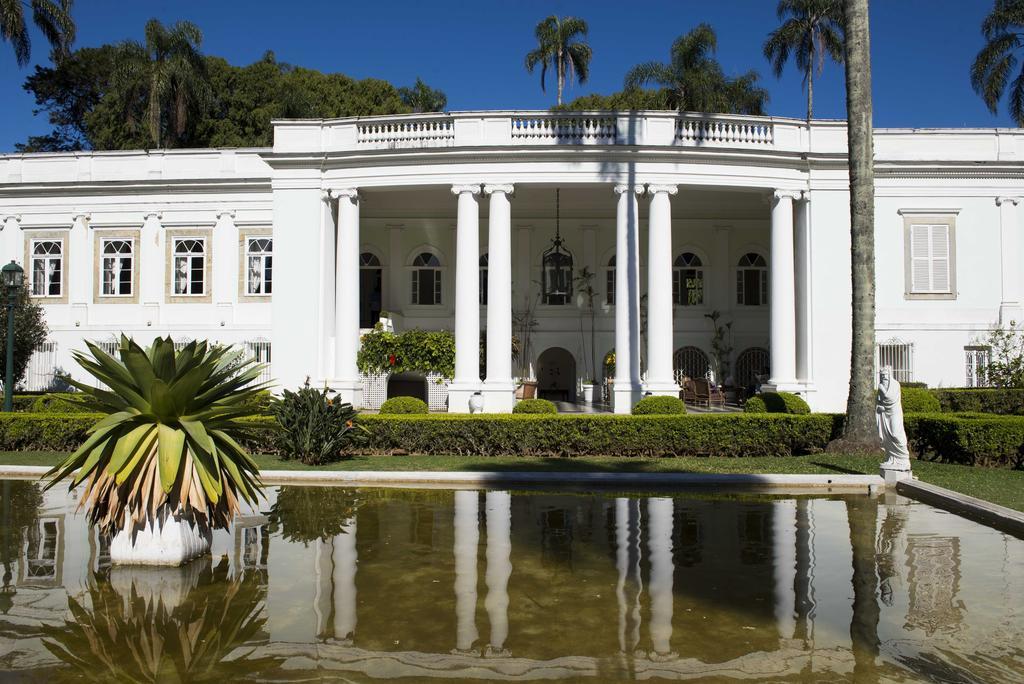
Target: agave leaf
61 470
115 419
102 450
172 444
127 446
141 369
162 402
161 355
145 448
207 475
184 387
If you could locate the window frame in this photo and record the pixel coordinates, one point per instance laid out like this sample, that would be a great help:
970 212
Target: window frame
118 256
103 236
610 281
415 274
173 237
266 263
61 258
764 284
679 286
931 218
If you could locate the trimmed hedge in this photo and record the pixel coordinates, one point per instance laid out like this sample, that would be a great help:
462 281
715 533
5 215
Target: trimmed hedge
917 400
594 435
404 405
975 439
534 406
659 406
56 403
777 402
983 400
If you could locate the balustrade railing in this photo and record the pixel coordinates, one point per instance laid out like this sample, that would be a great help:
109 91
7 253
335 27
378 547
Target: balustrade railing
407 133
555 129
723 132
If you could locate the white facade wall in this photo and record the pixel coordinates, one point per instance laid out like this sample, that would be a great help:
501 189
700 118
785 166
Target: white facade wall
403 168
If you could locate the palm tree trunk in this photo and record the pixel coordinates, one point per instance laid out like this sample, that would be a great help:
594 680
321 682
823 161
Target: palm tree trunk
860 433
810 93
154 113
862 515
561 75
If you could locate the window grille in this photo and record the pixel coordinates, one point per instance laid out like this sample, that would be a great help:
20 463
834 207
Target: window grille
47 267
976 361
752 280
688 280
259 350
690 362
259 260
899 356
752 367
42 367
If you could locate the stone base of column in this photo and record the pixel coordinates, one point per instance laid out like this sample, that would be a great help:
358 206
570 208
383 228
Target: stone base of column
624 397
662 389
1010 313
459 394
499 397
349 391
774 385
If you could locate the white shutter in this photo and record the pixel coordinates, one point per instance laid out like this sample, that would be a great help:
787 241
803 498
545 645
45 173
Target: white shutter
920 256
940 258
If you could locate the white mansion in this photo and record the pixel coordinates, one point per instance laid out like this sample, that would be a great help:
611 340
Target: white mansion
470 220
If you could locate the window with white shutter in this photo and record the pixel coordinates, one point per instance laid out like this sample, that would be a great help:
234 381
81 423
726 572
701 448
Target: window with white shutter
930 254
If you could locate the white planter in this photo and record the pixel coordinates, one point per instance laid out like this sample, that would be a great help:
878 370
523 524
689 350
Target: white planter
588 392
476 403
174 543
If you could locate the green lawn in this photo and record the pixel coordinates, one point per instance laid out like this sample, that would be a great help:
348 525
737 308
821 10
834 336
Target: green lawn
1004 487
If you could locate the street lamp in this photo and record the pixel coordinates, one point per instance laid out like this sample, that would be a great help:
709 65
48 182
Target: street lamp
13 277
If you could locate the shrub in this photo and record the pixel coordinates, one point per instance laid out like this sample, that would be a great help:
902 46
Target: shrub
916 400
969 439
534 406
777 402
400 405
998 401
915 385
659 406
45 431
314 429
57 403
421 351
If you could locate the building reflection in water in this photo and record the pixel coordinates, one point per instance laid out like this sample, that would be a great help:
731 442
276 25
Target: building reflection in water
700 588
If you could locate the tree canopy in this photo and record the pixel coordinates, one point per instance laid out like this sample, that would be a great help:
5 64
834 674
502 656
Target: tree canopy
88 99
995 67
560 47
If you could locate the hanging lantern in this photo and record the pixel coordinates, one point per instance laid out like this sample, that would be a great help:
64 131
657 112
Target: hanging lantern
556 266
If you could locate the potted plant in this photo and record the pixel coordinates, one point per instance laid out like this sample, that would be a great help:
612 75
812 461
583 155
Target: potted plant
164 467
588 390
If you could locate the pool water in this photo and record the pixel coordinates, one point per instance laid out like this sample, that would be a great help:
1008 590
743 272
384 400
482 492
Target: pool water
381 584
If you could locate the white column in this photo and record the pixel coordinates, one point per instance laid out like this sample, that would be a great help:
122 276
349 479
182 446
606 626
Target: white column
784 541
225 265
80 272
498 506
660 375
659 545
467 537
626 390
499 392
783 293
346 297
13 241
152 279
627 562
467 300
1010 303
328 275
344 580
802 251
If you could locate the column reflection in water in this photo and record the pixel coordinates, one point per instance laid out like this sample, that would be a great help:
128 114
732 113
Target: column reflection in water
467 537
345 562
659 545
498 506
784 541
627 562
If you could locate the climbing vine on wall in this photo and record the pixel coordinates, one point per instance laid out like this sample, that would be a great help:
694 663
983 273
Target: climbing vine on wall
419 351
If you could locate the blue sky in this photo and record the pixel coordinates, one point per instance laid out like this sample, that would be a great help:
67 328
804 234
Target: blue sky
474 51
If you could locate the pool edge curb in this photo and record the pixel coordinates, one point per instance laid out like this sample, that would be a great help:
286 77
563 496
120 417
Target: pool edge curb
985 512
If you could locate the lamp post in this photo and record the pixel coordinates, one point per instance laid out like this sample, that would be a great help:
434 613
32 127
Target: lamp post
13 277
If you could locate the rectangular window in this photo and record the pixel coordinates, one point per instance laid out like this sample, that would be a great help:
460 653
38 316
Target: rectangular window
259 266
752 286
47 268
688 286
189 266
118 264
929 258
609 296
898 355
977 359
426 286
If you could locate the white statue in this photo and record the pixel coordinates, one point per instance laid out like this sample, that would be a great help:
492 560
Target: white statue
889 413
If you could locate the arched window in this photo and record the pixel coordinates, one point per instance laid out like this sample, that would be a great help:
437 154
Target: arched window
369 260
752 280
483 279
690 362
609 280
688 280
426 280
752 367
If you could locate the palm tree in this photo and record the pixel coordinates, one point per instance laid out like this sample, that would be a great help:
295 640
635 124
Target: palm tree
51 17
422 98
559 47
1003 29
169 73
860 433
810 31
693 79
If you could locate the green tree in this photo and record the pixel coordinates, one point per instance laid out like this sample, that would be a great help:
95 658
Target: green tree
996 63
624 100
693 79
53 19
560 47
810 31
1006 357
30 331
169 71
422 98
860 432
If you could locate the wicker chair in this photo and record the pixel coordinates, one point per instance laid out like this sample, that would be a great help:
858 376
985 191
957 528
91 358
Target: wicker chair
688 393
707 394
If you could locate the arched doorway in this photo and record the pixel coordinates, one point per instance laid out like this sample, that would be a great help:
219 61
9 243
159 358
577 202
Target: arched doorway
752 366
370 289
690 362
556 375
408 385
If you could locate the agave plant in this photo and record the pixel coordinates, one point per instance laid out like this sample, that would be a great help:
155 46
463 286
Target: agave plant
169 444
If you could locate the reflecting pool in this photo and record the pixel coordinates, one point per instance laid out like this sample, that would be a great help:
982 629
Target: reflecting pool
379 584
